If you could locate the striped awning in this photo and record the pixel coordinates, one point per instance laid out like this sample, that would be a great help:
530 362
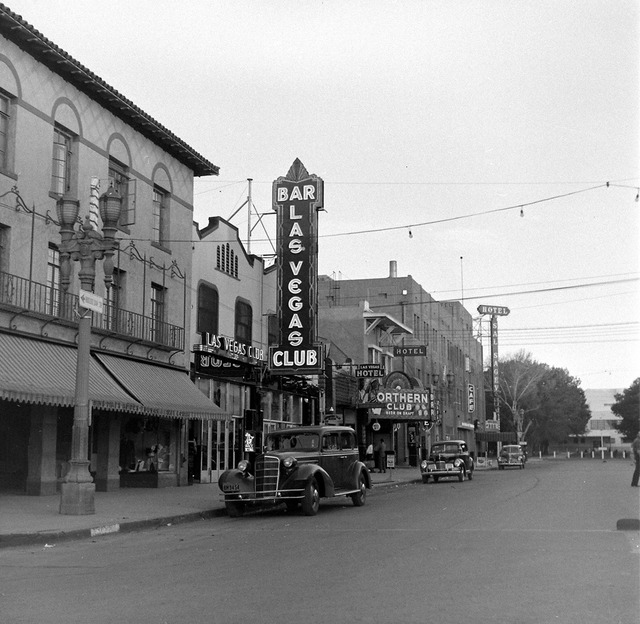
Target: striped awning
35 371
162 391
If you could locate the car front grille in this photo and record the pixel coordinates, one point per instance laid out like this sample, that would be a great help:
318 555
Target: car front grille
267 474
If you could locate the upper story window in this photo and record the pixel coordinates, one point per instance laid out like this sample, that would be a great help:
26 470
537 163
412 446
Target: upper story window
5 119
119 180
226 260
52 292
244 322
61 171
208 303
157 312
160 215
4 248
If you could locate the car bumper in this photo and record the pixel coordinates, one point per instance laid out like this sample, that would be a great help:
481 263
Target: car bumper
447 470
267 497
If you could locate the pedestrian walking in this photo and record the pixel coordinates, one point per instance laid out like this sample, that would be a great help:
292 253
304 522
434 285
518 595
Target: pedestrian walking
368 457
381 456
635 449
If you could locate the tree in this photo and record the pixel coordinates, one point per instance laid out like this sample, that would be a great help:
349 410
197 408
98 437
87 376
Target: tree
518 378
562 410
627 406
543 405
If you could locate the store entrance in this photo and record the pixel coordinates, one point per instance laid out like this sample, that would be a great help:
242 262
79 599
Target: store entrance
216 448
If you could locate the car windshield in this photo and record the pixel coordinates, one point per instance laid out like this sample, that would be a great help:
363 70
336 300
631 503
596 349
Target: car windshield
293 441
510 449
445 448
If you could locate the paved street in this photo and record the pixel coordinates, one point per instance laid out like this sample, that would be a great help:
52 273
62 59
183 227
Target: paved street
533 545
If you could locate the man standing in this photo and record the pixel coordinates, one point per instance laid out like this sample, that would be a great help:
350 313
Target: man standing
382 456
635 449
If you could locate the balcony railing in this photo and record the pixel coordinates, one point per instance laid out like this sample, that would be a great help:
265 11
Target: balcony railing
23 295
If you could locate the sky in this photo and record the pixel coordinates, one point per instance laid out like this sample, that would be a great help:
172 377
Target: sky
489 147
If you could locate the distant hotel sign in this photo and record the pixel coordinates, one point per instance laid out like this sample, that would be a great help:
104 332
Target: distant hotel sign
411 350
493 310
369 370
297 197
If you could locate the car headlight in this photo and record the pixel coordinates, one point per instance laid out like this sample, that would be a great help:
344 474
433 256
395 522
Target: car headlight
458 463
289 462
423 464
243 465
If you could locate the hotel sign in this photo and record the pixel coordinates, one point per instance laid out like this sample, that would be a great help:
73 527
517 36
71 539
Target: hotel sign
369 370
410 350
493 310
297 197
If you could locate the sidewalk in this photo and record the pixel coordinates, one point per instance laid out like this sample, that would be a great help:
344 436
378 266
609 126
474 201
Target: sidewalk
36 519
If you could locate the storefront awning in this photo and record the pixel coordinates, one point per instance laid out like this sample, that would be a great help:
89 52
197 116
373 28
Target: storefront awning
161 391
496 436
35 371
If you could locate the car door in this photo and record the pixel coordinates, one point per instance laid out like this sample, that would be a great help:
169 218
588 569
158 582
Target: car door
330 458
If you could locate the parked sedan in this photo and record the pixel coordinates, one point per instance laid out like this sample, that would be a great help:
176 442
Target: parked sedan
511 455
448 459
298 467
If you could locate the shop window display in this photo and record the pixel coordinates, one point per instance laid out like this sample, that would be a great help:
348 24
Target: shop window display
148 445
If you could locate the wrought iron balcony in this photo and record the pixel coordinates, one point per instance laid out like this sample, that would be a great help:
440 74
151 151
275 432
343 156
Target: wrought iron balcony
31 298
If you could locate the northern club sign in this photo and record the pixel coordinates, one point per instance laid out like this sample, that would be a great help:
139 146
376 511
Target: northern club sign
297 197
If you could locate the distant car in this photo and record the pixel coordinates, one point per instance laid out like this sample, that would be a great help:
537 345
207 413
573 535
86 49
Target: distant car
450 458
511 455
299 466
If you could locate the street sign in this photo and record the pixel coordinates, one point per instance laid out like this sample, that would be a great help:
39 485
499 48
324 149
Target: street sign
493 310
91 301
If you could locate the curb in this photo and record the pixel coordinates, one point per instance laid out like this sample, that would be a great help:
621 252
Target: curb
47 538
628 524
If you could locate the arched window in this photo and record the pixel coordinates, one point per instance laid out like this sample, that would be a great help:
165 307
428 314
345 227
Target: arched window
244 321
208 304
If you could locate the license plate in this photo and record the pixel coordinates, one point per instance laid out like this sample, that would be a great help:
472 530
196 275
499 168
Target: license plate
230 487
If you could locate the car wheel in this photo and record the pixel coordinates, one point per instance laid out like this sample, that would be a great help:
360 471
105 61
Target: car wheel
462 475
500 467
425 478
234 510
311 500
470 475
360 497
435 479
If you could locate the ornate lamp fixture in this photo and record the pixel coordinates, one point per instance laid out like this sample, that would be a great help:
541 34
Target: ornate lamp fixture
84 245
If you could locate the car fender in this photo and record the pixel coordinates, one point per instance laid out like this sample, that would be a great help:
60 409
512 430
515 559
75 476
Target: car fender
305 472
355 471
236 477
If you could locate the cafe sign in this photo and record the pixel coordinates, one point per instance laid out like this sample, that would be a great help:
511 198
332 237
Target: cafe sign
297 197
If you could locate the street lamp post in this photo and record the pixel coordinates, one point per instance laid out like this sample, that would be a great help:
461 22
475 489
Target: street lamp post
84 245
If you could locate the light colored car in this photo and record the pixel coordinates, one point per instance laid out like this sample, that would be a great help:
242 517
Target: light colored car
511 455
299 466
447 459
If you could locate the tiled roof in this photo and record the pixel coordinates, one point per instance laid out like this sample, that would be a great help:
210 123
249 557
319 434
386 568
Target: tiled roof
26 37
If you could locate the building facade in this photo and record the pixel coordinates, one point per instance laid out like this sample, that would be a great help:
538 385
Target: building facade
66 137
431 343
233 324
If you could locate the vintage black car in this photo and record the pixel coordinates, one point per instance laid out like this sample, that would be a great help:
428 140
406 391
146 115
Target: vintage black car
450 458
511 455
298 466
